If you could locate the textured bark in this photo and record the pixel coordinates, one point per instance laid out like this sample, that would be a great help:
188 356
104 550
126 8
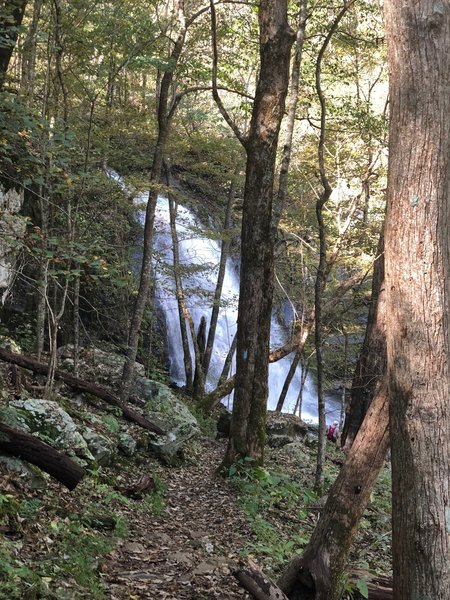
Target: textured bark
83 386
30 448
247 436
11 16
318 573
371 365
418 294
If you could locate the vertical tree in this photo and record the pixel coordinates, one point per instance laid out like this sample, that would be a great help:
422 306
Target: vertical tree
418 294
247 435
11 15
371 365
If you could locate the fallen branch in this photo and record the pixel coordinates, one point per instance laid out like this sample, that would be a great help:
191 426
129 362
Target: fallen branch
32 449
83 386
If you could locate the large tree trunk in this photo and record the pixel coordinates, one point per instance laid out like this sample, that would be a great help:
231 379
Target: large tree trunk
30 448
318 573
11 15
418 294
371 365
247 435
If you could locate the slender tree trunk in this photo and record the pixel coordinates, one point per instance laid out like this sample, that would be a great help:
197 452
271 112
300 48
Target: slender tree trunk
304 376
247 433
292 109
29 54
288 380
164 118
418 294
199 376
182 309
371 364
319 573
224 254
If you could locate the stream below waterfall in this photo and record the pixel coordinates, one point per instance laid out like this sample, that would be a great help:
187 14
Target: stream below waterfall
199 259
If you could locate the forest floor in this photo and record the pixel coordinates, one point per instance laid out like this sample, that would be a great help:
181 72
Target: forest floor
181 540
188 550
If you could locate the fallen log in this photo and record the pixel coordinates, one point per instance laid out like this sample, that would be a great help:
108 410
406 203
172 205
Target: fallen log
260 587
379 586
30 448
83 386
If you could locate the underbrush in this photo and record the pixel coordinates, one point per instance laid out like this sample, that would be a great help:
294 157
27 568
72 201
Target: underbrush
55 543
282 510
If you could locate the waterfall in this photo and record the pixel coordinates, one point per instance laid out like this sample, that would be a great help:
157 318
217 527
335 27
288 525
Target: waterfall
199 257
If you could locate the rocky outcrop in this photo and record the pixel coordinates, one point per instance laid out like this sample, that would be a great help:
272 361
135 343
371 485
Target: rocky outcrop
159 404
12 229
164 408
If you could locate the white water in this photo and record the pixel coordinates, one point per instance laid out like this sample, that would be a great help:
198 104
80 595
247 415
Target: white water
200 256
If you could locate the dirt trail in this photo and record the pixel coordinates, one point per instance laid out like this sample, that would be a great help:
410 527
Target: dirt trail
188 551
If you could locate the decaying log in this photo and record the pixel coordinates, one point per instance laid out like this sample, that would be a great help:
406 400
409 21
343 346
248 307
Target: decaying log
258 585
30 448
83 386
379 586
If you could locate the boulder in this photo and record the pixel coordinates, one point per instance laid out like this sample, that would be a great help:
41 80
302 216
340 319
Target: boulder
32 476
48 421
159 403
283 429
166 410
101 447
127 444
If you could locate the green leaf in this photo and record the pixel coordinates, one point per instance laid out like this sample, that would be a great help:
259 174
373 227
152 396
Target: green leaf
362 588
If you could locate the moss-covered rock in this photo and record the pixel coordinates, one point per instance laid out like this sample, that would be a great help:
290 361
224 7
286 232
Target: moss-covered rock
48 421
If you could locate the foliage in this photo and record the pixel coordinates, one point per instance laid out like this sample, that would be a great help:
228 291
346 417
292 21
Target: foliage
262 492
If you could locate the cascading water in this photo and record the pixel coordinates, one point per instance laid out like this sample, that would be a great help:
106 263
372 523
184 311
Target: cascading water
199 258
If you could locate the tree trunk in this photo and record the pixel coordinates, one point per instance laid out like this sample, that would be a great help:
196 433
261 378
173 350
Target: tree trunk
179 293
288 380
32 449
371 365
291 113
29 54
247 434
11 16
164 118
418 294
84 386
318 573
224 254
